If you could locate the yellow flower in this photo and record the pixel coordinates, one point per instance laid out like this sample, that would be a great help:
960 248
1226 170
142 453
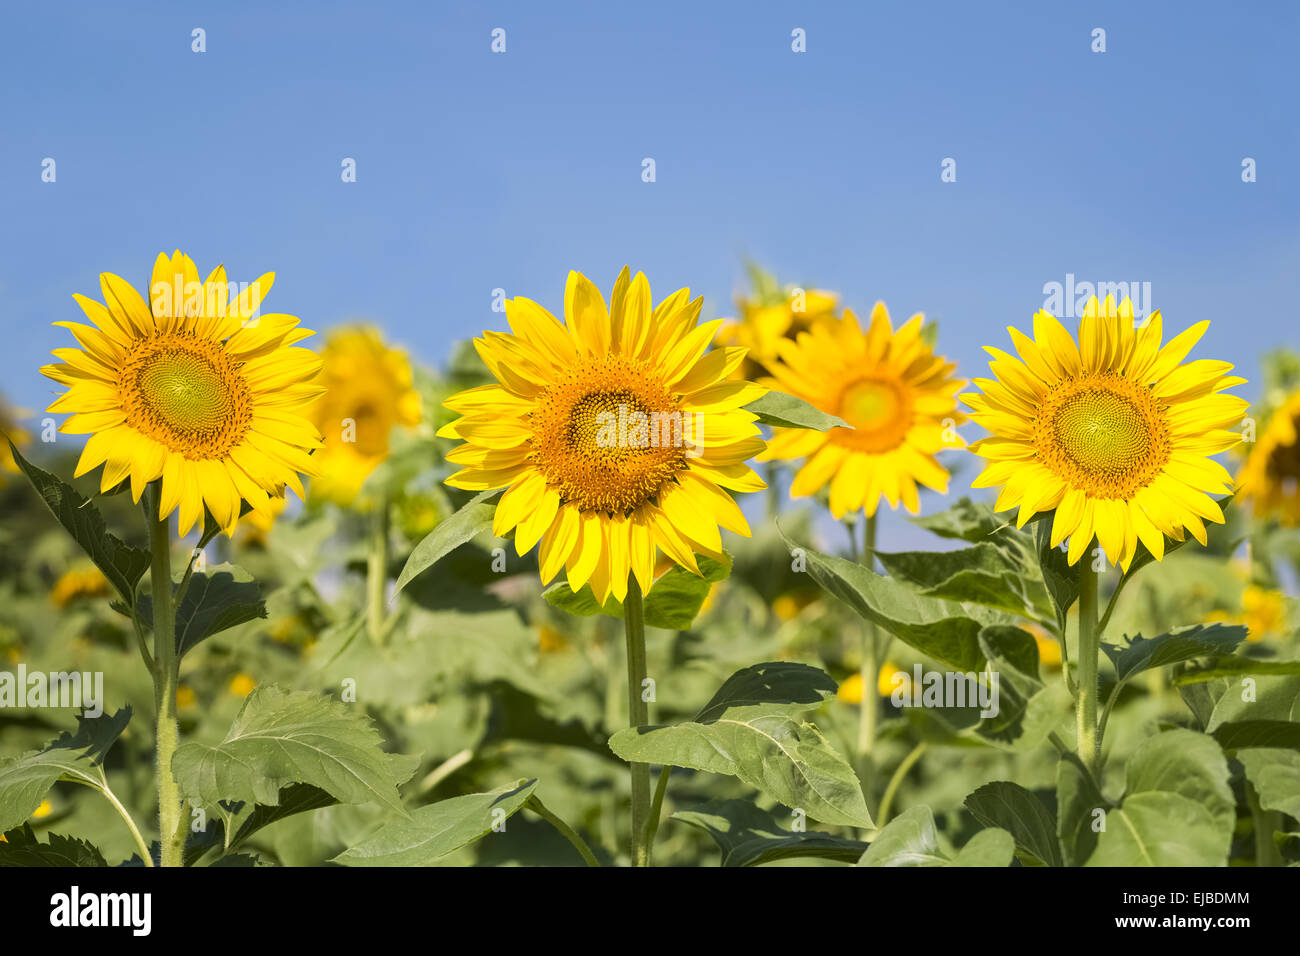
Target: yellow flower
42 811
787 606
185 697
368 391
10 432
241 685
1049 648
895 392
84 580
889 680
190 388
1263 611
850 689
615 432
1270 477
1114 434
549 640
764 323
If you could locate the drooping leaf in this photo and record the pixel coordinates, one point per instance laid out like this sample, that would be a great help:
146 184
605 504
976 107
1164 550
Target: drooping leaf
1180 644
120 563
1257 700
673 603
945 630
469 522
1158 828
282 737
242 820
1011 807
25 780
439 828
751 730
787 411
222 597
750 836
987 573
21 847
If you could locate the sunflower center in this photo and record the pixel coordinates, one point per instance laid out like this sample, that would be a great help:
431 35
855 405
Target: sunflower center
609 435
185 394
880 411
1103 435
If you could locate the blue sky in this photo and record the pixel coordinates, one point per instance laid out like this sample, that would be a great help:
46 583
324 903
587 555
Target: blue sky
478 170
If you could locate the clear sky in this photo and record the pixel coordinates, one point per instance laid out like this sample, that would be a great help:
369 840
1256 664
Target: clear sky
478 170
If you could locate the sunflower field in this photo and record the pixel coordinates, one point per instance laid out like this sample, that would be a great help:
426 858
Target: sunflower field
607 588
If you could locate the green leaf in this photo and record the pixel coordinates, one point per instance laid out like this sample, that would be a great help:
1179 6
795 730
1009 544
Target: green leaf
993 847
751 730
122 564
749 836
1158 828
20 847
466 524
25 780
1077 801
775 687
987 574
942 629
910 839
1275 774
1013 655
1187 763
1236 667
282 737
243 819
1011 807
1240 735
222 597
1257 700
1180 644
439 828
673 603
786 411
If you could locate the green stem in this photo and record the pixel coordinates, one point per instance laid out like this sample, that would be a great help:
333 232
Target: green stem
1089 651
166 677
887 801
1265 822
656 808
869 669
773 491
377 572
109 795
638 715
566 831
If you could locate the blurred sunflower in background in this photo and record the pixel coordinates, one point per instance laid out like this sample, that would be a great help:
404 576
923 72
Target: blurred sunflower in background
1270 476
1114 433
768 315
368 390
616 434
81 581
898 395
10 431
192 387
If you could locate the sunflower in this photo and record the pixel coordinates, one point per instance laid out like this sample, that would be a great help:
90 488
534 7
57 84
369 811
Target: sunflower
616 434
1270 477
770 317
1115 434
897 395
84 580
193 388
10 432
368 390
